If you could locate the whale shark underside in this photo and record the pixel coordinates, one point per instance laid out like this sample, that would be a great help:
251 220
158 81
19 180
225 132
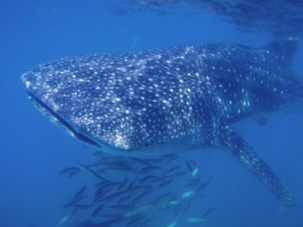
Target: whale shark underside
169 100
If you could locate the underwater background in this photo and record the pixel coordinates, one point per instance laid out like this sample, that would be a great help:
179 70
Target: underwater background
33 151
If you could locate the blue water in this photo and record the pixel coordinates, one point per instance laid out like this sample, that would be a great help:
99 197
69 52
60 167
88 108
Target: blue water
33 150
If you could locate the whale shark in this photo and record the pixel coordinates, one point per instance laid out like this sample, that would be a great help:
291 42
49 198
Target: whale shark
170 100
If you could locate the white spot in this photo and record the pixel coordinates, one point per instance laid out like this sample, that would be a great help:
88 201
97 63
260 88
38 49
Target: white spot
27 84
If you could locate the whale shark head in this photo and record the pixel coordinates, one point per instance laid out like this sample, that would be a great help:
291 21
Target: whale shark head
82 96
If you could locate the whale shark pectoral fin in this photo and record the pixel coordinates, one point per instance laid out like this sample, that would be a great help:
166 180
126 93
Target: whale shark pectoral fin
232 141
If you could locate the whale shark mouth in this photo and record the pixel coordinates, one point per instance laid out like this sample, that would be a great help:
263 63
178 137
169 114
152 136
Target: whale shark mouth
58 120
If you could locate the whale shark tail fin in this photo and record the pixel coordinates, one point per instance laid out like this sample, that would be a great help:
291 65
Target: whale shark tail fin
233 142
284 49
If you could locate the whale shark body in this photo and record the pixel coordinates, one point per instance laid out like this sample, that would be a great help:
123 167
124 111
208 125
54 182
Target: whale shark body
169 100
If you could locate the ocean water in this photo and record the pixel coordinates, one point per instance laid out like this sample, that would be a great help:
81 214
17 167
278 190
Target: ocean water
33 150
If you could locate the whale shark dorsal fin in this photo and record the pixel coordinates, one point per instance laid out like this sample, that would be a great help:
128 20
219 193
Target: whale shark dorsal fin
284 49
231 141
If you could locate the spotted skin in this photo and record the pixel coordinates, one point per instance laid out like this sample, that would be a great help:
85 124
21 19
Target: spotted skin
169 100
